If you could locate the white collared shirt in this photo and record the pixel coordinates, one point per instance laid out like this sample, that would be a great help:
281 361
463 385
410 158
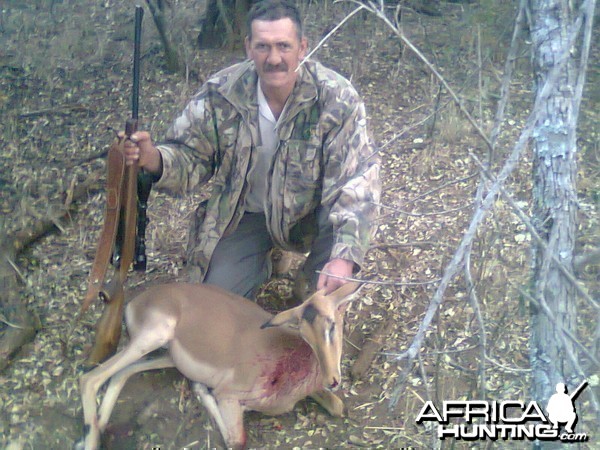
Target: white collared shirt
262 155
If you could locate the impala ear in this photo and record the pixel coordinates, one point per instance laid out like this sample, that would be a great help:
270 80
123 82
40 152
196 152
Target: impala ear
288 317
346 293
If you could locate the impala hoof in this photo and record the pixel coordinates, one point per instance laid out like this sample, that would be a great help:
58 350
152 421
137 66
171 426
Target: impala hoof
333 386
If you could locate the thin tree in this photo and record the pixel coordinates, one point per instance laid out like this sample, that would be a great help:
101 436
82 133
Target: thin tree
560 61
158 8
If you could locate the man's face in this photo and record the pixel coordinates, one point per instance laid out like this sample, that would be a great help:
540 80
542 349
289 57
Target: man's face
277 51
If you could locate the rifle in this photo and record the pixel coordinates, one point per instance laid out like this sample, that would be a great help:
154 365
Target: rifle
126 203
577 391
144 180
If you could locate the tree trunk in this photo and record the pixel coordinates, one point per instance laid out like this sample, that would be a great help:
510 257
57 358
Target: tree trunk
158 10
554 198
224 24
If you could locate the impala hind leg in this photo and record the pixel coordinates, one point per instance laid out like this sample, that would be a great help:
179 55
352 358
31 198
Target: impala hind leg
331 402
92 381
117 382
228 415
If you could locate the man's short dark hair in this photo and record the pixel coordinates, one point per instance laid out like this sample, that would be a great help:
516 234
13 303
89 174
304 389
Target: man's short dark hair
274 10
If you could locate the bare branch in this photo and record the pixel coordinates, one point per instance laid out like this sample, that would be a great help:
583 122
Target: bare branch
544 307
328 35
508 68
550 256
433 213
400 34
587 14
478 316
442 186
380 283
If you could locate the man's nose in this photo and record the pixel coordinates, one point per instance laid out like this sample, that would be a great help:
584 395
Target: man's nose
274 57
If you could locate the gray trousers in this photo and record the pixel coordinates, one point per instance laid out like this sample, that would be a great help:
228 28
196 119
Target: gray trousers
241 263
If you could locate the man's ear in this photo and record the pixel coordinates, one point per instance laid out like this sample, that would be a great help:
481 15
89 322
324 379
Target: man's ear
303 48
247 46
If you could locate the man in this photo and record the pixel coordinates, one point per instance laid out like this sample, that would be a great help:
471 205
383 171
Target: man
287 148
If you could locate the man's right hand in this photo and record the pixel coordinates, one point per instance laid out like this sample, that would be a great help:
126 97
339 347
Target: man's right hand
139 147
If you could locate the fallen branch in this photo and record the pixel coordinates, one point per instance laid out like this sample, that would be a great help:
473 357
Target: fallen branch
22 324
64 110
372 346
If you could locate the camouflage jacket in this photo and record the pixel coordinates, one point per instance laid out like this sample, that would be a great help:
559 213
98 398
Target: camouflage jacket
324 158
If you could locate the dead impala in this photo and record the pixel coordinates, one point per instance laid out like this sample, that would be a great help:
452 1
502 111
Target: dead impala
238 356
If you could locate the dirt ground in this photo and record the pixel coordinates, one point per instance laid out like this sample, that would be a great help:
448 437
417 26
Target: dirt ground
65 79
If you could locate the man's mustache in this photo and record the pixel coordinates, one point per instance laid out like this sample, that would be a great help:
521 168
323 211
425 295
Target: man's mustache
277 68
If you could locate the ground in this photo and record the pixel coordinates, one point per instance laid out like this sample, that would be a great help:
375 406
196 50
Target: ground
65 80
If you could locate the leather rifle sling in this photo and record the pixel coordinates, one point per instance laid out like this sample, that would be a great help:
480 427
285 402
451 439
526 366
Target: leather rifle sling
114 183
129 197
129 211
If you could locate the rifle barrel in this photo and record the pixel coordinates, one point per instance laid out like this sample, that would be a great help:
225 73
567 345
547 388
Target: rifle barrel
135 94
580 388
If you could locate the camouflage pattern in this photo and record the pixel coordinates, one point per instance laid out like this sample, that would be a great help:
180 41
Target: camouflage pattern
325 157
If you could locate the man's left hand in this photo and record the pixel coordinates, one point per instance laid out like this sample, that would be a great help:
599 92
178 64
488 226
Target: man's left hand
338 267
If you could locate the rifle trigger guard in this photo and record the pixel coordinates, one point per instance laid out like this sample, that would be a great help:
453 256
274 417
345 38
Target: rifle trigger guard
104 296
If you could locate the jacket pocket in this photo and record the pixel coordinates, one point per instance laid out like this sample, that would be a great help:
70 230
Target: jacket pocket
302 184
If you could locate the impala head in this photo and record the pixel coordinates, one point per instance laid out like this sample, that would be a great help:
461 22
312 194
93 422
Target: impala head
320 321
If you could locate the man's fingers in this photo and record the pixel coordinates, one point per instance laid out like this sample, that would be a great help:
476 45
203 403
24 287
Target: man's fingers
328 283
332 284
132 152
321 281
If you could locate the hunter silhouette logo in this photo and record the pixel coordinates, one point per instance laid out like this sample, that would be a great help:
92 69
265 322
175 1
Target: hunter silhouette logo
508 419
561 407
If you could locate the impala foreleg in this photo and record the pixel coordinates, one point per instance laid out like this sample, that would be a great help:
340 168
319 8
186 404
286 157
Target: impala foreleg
331 402
227 414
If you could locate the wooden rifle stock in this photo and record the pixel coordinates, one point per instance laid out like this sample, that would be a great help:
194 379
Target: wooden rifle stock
108 329
119 231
